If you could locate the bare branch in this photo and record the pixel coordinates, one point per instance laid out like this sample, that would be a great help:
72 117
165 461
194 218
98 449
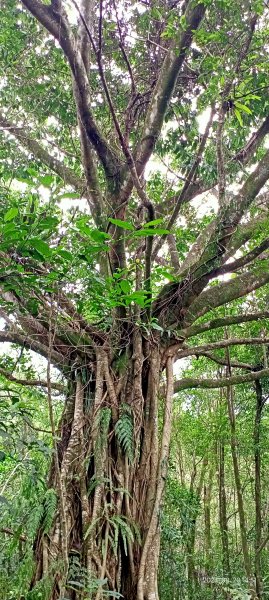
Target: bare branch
222 361
196 350
222 322
246 153
56 23
9 531
226 292
244 232
16 337
31 382
243 260
166 82
188 182
173 252
87 10
226 223
190 382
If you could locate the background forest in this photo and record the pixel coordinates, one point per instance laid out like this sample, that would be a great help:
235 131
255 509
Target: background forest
134 288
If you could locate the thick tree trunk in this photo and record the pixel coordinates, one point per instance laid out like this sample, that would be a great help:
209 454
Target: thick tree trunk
112 473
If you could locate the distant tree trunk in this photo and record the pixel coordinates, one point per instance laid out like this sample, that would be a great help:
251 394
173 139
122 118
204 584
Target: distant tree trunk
112 475
207 517
257 458
223 513
238 486
192 528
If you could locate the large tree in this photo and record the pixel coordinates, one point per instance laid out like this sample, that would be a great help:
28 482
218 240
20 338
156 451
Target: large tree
100 102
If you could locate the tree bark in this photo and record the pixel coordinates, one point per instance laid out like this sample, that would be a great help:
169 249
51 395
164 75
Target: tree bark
112 476
257 460
239 493
223 513
196 492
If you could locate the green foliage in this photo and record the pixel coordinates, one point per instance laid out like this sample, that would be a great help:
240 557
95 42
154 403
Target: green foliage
50 504
124 430
80 581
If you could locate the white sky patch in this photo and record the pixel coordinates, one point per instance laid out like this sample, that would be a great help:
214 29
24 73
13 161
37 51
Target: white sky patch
203 119
180 365
68 203
52 121
204 204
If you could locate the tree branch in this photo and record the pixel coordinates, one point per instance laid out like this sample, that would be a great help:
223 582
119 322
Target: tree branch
222 322
9 531
226 292
222 361
163 92
31 382
56 23
243 260
24 137
190 382
225 225
166 82
246 153
187 184
196 350
16 337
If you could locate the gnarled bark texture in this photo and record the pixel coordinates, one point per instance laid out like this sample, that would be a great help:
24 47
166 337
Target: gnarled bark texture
112 467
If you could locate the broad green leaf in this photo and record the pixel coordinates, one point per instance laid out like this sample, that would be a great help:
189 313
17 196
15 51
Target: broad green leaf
71 195
65 254
125 286
155 222
155 325
242 107
99 236
46 181
122 224
238 116
41 247
11 214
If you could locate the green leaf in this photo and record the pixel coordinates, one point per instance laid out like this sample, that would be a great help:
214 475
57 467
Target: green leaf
243 107
48 223
99 236
46 181
238 116
41 247
125 286
155 325
122 224
33 306
139 297
11 214
65 254
68 195
155 222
